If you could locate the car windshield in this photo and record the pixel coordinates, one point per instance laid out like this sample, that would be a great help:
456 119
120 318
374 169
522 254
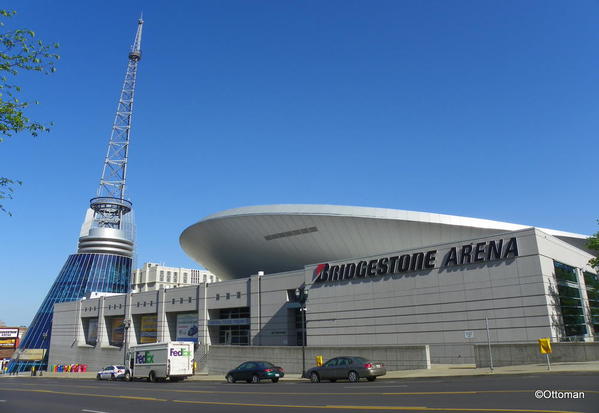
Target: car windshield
360 360
266 365
108 368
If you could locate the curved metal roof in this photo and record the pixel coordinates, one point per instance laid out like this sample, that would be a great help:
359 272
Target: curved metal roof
275 238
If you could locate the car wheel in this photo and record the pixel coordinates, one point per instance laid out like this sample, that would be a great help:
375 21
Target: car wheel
127 376
353 377
275 380
230 379
255 379
152 377
314 377
373 378
98 376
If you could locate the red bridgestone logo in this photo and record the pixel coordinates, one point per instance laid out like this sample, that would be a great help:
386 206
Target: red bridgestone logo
318 270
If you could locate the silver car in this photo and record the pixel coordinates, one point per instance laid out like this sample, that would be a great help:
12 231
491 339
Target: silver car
350 368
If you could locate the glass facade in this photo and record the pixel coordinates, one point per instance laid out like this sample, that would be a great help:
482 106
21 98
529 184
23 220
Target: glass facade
81 274
570 300
592 282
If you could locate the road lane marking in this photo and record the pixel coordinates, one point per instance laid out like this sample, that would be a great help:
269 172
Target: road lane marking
357 393
112 396
341 407
92 411
349 407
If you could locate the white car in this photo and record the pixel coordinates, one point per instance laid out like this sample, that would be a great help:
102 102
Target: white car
114 373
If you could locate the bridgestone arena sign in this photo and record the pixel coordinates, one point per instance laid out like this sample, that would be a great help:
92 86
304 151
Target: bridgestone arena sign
418 261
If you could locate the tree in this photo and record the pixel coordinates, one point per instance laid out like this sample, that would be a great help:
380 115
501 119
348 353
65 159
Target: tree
20 52
593 243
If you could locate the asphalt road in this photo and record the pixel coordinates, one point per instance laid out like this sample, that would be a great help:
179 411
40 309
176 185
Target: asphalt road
505 393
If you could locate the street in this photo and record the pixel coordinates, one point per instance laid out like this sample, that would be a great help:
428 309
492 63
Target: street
505 393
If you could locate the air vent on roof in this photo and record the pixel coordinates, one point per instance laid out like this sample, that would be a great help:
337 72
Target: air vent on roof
290 233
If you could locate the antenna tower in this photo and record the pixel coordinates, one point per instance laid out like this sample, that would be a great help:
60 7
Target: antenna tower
110 204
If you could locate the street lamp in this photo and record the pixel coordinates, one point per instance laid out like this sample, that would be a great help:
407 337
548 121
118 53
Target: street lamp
126 325
44 337
302 296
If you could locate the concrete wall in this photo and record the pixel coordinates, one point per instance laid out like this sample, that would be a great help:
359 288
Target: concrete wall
444 307
528 353
224 358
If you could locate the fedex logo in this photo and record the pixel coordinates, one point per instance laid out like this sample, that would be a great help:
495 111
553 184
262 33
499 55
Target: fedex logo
181 352
144 357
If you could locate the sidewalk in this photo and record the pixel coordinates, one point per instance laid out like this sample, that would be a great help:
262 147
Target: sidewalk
436 370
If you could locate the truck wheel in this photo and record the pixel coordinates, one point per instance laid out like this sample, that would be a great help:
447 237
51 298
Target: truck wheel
152 377
127 376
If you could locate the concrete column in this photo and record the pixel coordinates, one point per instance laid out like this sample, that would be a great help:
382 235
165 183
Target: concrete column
162 334
102 337
256 318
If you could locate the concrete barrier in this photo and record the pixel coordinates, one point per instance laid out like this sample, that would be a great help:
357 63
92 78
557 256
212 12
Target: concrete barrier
528 353
221 359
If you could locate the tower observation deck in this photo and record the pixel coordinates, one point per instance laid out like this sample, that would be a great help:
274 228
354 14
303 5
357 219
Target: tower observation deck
105 252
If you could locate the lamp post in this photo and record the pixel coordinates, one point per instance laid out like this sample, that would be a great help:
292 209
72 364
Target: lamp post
126 325
44 338
302 296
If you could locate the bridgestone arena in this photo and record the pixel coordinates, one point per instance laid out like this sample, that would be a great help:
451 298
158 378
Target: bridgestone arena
337 276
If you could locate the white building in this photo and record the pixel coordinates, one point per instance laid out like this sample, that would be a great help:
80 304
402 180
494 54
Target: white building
154 276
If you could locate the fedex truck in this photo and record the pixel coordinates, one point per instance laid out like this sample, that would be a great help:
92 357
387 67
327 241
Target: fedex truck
160 361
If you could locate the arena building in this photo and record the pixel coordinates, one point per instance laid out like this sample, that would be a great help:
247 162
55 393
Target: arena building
348 276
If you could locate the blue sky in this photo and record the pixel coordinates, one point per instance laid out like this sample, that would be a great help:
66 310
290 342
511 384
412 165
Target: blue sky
484 109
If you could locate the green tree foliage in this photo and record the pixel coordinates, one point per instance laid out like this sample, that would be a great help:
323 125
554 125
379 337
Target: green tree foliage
593 243
20 52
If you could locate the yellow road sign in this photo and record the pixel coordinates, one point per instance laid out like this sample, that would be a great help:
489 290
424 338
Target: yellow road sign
545 345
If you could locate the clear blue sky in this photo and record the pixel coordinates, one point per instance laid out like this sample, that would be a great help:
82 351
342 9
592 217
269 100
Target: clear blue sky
484 109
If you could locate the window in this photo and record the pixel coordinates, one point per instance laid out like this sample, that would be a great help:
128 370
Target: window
180 300
168 278
217 297
570 300
161 276
175 277
189 299
138 304
592 282
145 303
234 335
185 277
173 302
238 294
228 296
151 303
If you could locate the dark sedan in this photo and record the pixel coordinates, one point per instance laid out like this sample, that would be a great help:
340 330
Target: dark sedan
350 368
254 371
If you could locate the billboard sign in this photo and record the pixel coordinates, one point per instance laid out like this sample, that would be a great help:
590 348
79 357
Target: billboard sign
149 328
117 331
9 332
92 331
8 342
187 327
